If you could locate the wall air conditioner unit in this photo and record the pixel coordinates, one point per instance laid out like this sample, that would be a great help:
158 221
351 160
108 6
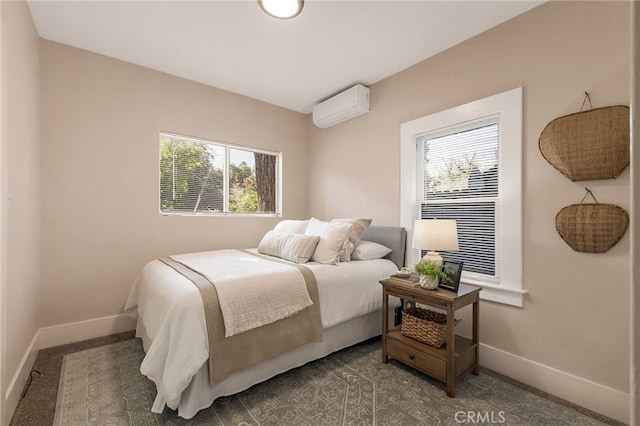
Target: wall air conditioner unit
341 107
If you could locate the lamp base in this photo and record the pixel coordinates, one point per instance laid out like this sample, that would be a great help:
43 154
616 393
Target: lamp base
434 257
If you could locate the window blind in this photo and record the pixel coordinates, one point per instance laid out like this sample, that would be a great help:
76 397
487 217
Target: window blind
199 177
457 178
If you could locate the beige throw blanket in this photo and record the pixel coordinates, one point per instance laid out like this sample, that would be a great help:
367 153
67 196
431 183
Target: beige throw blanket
228 355
252 290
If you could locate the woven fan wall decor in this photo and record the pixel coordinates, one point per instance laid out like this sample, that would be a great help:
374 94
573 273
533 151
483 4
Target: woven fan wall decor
588 145
592 228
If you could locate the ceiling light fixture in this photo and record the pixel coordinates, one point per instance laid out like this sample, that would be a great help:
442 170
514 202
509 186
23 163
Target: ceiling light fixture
282 9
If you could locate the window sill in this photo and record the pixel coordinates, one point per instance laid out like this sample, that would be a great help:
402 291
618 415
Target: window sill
220 214
500 294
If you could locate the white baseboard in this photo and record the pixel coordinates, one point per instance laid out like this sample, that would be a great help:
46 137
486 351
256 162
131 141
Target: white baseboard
596 397
83 330
14 391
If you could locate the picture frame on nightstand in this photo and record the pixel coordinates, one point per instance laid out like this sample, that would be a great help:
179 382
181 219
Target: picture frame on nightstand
452 271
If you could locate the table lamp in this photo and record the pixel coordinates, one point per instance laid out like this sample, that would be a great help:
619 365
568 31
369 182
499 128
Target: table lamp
435 234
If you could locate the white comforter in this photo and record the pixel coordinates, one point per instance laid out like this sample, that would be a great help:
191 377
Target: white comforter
171 316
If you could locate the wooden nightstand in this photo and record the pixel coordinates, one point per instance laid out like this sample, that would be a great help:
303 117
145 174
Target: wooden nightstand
457 356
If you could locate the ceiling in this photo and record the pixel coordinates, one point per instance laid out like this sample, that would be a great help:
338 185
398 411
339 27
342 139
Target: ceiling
234 45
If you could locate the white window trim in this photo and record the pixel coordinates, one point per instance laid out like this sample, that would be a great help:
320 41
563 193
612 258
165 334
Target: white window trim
509 105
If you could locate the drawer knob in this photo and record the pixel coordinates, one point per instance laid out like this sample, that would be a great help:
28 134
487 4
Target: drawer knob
412 357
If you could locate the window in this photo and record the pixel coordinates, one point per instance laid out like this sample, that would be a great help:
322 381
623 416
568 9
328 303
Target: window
202 177
457 178
465 163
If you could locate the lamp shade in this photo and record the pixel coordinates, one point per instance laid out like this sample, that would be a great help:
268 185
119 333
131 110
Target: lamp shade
435 234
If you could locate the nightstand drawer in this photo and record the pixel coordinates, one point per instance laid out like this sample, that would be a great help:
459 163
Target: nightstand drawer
422 361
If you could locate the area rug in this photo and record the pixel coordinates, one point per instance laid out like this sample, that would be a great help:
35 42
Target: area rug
103 386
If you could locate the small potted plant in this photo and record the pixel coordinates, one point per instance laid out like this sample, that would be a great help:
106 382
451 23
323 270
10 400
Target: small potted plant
429 272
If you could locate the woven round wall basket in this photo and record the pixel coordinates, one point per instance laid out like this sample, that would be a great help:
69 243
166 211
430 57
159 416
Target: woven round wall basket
588 145
592 228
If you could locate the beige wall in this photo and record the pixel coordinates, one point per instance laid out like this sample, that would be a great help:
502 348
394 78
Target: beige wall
576 316
100 124
20 193
635 222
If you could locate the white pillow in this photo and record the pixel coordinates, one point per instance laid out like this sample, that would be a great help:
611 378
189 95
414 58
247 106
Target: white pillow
359 226
296 248
332 239
292 226
368 250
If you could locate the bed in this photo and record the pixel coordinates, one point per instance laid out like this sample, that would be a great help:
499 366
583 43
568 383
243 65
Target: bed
173 329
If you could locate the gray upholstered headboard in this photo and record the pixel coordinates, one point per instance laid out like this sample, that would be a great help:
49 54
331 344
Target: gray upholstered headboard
394 237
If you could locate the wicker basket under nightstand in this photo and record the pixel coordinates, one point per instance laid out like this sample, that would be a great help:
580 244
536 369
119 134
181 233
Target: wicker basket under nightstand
425 325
